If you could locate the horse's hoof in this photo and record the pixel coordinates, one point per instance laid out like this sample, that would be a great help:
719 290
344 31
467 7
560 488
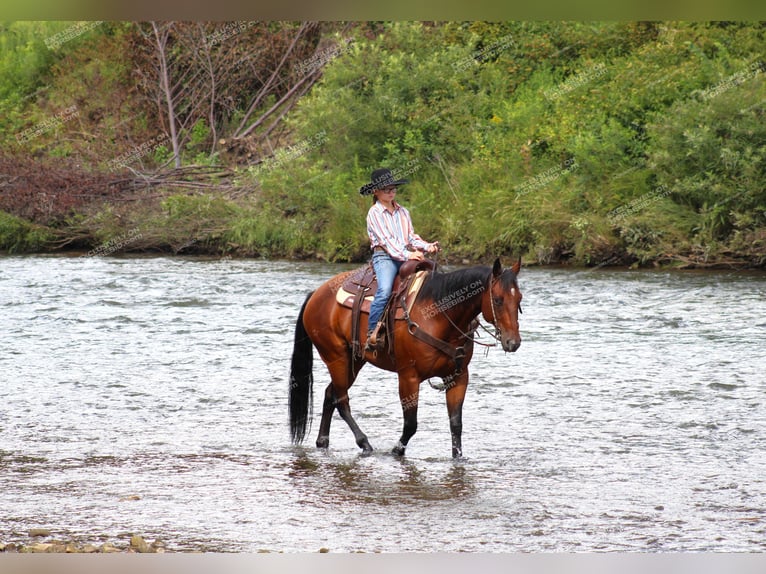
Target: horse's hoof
367 451
398 450
364 444
323 442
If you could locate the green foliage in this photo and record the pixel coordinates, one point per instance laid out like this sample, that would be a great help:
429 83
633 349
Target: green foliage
162 154
711 151
589 142
198 148
18 235
24 65
532 136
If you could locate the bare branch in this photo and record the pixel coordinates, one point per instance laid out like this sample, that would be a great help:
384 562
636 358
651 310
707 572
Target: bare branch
267 86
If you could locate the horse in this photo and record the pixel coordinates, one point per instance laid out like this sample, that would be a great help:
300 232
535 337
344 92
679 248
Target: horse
436 340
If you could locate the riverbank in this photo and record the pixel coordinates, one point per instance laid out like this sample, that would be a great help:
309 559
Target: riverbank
18 236
41 541
223 212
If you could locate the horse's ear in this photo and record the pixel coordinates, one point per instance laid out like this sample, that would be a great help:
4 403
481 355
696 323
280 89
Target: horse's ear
497 268
516 266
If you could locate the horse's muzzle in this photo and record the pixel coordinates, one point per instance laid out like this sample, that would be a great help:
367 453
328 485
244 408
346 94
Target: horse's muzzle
510 344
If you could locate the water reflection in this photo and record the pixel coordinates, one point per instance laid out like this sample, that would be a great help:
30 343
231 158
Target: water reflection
381 479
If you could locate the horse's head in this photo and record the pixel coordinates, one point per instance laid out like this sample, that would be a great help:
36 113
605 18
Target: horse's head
501 304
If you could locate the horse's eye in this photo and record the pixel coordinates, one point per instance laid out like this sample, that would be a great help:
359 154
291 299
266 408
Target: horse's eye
498 300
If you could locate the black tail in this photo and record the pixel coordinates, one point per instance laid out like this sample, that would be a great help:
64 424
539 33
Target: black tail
301 380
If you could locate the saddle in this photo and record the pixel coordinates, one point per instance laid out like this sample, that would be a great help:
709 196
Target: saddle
358 290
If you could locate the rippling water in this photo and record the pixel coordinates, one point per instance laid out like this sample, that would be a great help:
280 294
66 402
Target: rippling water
148 395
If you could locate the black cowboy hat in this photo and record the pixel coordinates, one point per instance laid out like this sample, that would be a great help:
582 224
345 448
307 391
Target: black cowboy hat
381 178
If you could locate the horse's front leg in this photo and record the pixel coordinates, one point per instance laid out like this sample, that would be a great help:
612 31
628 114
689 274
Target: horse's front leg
455 396
409 388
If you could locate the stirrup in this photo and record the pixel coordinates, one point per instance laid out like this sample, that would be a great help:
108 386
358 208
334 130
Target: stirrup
372 344
375 338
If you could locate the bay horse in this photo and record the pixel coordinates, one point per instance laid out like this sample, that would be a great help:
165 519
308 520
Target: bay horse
446 309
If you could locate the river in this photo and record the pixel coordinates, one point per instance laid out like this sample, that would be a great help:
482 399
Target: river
148 395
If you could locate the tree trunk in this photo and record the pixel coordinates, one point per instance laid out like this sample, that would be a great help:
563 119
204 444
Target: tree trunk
161 36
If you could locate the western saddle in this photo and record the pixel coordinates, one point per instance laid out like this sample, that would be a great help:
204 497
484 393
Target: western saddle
357 292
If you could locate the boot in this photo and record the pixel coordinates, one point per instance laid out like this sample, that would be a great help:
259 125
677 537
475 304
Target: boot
374 338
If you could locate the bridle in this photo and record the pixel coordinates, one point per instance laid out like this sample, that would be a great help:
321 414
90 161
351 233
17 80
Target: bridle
496 335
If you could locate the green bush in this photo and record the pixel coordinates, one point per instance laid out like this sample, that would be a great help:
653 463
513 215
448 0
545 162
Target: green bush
587 142
18 235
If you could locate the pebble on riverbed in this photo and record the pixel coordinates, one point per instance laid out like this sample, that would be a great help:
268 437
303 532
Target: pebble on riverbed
137 544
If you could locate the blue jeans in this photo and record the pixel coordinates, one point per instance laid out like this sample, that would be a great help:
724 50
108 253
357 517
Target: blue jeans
386 269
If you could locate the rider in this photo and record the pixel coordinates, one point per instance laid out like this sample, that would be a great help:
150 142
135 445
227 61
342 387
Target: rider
393 241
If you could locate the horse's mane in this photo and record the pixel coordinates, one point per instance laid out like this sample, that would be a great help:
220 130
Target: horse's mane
442 286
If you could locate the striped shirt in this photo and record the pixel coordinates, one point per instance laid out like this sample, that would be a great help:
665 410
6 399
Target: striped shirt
393 231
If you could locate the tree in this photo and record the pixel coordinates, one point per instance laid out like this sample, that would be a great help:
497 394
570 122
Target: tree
237 79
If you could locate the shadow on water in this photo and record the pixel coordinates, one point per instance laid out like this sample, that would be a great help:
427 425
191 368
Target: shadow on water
379 479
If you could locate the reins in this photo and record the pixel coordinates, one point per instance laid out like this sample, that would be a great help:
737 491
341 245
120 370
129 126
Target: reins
469 335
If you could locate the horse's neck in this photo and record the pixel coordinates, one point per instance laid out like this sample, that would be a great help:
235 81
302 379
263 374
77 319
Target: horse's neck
462 315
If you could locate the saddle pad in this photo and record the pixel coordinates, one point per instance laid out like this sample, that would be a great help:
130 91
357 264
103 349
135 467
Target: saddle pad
346 299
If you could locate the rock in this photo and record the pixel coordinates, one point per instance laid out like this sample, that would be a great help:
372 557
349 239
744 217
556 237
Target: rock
10 547
39 532
89 549
131 497
324 550
37 548
108 548
138 544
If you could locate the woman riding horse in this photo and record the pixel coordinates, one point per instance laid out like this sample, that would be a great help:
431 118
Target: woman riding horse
393 241
435 339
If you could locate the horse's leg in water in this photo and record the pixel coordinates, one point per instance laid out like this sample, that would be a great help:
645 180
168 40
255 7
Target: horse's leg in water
455 397
409 388
342 379
328 408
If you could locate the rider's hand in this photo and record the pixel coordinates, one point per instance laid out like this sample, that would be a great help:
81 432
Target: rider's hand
434 247
416 255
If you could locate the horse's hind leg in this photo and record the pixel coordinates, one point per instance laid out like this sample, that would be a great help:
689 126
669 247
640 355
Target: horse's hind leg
344 409
328 408
336 396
